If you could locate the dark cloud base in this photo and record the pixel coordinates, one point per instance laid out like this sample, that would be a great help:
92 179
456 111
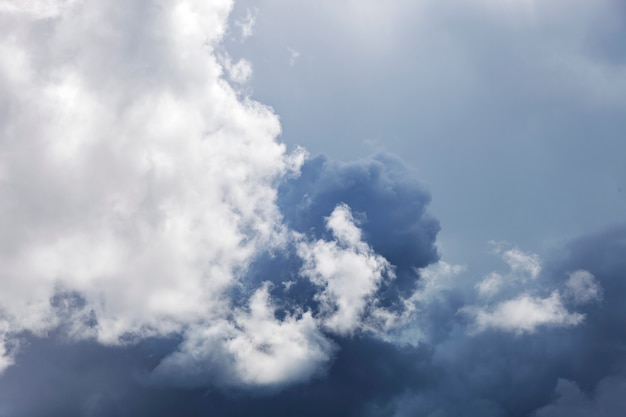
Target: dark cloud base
86 379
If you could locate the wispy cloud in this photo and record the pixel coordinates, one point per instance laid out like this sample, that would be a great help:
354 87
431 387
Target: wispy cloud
246 23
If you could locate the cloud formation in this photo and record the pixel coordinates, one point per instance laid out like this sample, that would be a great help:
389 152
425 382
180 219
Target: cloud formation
139 190
162 253
254 348
525 313
385 194
133 177
348 271
520 305
550 372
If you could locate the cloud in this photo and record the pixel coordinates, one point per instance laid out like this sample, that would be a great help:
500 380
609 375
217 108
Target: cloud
162 253
429 311
384 193
521 308
246 23
515 84
525 313
253 349
434 279
522 267
522 263
132 173
551 371
89 379
490 285
37 9
583 287
325 283
238 72
348 271
140 192
606 400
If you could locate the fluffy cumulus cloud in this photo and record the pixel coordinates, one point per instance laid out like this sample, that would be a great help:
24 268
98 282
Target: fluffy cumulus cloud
253 349
138 187
521 307
525 313
348 271
162 253
132 173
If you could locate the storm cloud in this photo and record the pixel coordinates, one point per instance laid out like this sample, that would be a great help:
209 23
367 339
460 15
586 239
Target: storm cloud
163 253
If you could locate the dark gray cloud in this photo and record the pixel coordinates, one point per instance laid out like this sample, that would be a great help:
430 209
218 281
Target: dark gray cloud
606 400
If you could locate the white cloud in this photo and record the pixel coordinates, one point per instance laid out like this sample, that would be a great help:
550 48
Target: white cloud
525 313
254 348
583 287
519 261
269 351
131 172
238 72
246 24
490 285
434 279
522 264
407 326
348 271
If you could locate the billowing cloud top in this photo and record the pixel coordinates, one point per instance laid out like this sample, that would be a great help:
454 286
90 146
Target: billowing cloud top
132 173
138 187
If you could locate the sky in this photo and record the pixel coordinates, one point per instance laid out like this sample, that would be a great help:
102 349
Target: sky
267 207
